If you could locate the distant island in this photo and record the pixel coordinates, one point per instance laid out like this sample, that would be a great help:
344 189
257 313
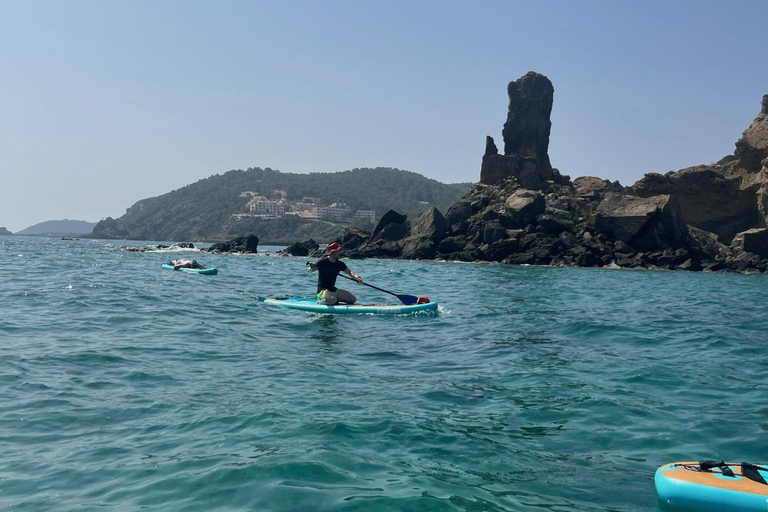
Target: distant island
59 228
279 207
4 231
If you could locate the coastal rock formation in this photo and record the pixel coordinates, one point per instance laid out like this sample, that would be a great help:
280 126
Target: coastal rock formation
709 217
526 137
240 245
4 231
646 224
301 248
111 229
752 148
725 198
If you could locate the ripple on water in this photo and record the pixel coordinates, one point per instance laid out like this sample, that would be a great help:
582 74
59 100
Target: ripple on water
531 389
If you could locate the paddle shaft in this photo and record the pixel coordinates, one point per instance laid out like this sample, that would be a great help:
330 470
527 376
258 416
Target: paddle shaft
366 284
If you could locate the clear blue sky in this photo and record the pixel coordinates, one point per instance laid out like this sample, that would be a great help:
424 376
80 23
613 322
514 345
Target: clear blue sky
103 103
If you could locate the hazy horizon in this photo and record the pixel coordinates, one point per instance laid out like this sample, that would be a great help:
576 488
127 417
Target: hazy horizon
103 104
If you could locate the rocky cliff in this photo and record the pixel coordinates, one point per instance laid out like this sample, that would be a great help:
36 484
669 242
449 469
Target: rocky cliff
4 231
523 211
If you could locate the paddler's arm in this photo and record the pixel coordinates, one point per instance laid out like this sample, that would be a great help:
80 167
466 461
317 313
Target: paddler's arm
353 275
311 267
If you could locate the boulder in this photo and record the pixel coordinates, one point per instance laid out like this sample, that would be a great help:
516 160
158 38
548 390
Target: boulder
301 248
353 238
524 205
754 241
710 198
431 224
419 248
644 223
391 217
498 251
493 232
452 244
460 211
242 244
590 187
391 232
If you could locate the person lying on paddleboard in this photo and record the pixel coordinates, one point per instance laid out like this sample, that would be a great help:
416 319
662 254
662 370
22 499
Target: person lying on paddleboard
185 263
328 269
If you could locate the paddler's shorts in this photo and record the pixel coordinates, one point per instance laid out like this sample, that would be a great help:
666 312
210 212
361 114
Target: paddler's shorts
322 292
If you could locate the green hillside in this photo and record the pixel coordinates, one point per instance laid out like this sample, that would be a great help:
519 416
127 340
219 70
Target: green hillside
59 227
202 210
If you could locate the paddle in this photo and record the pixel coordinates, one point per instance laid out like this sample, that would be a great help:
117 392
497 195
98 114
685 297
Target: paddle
405 299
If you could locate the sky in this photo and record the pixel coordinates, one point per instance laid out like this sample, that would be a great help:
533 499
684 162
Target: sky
104 103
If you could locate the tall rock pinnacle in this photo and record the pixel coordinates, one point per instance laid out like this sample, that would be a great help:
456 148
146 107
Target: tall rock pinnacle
526 136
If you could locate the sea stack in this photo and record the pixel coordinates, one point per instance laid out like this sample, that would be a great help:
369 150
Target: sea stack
526 137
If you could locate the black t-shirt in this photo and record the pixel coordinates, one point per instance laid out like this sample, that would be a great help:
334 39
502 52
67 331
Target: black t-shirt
327 271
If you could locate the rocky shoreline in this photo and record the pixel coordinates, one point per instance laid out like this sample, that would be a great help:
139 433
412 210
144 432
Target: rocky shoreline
524 211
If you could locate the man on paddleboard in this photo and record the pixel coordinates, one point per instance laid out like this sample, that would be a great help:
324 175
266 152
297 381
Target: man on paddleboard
328 269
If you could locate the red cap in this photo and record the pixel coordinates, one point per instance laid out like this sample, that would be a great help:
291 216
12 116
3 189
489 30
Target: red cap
333 247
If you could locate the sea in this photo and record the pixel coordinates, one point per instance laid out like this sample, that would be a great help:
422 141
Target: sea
126 387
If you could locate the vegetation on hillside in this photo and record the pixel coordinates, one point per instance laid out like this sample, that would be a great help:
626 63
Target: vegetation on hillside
59 227
203 210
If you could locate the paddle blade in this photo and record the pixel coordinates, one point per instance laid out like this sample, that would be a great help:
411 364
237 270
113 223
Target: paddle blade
407 299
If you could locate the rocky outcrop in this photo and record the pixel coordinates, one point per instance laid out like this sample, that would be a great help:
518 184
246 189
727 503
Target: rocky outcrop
752 148
240 245
526 137
4 231
646 224
724 198
301 248
754 241
710 218
110 229
711 197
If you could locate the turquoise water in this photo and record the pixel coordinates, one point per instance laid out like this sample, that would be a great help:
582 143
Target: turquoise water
124 386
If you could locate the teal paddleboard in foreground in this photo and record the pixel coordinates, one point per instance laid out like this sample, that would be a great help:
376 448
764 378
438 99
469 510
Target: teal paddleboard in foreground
305 304
203 271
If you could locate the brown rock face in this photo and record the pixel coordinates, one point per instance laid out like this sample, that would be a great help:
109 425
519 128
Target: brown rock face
710 199
724 198
646 224
752 148
526 136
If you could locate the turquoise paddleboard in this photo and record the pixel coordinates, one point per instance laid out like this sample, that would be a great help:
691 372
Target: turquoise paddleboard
691 486
203 271
304 304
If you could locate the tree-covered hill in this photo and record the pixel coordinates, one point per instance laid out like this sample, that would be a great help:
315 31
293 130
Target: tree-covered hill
203 210
59 227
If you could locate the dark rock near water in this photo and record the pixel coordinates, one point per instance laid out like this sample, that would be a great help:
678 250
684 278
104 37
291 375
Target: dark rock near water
523 211
389 218
644 223
4 231
526 137
754 241
242 244
301 248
